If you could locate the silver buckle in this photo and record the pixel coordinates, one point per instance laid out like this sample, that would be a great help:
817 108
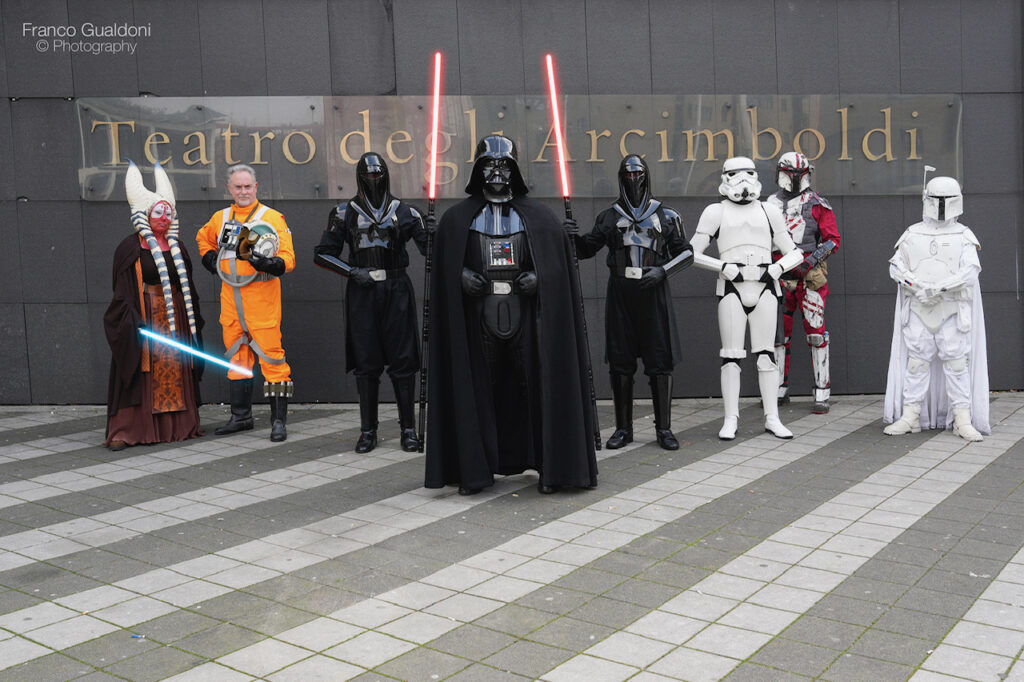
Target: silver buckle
378 275
634 273
501 288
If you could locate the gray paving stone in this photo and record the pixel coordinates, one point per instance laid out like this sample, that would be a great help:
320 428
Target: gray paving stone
272 619
652 547
528 658
472 642
905 554
700 556
957 583
674 575
794 657
610 612
847 610
51 667
621 563
175 626
891 571
642 593
558 600
569 633
931 601
892 647
589 580
870 590
155 665
754 672
218 641
823 632
423 664
111 648
514 619
484 673
927 626
324 600
850 668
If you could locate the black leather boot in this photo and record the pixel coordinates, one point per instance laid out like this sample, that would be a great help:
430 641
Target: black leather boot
622 392
278 417
404 390
661 396
369 387
240 396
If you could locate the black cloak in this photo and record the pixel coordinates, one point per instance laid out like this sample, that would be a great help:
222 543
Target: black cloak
123 318
463 444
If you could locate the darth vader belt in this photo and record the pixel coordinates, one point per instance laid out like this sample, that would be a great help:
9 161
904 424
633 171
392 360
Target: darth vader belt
501 288
629 272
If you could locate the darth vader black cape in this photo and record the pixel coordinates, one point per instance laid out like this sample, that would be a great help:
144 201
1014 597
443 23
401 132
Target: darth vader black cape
469 438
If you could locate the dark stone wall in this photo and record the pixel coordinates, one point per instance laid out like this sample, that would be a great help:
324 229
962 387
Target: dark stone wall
54 267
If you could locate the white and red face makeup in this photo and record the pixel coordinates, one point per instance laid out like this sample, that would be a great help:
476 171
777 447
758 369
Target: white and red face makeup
160 218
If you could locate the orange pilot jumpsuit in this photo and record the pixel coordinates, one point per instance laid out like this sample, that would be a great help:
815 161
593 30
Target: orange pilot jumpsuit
261 299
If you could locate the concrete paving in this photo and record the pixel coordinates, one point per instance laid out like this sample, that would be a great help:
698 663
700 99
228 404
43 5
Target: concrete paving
842 554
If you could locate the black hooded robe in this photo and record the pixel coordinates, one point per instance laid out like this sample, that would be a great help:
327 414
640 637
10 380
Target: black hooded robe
469 439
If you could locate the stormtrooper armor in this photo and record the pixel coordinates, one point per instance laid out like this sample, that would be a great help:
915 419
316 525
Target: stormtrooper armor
939 335
812 226
746 230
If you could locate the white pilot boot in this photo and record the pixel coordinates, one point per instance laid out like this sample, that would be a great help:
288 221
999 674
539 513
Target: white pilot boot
962 425
730 400
909 421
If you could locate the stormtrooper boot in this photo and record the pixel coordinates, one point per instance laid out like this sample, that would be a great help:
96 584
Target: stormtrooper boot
730 399
768 382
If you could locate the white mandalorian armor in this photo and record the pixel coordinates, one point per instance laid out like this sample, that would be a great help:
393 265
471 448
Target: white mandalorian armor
939 316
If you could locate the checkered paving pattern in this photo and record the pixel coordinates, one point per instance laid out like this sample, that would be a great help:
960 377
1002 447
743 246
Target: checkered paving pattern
842 554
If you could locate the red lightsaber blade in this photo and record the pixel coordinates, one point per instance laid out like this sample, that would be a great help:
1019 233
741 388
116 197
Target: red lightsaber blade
429 256
436 110
557 123
564 175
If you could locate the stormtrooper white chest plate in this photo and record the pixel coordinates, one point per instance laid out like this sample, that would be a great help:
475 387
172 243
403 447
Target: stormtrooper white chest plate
745 236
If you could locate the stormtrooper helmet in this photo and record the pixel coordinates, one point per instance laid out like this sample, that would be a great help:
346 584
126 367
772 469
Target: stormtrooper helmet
739 180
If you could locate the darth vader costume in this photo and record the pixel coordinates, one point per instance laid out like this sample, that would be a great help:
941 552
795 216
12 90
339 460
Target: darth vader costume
508 352
646 242
380 306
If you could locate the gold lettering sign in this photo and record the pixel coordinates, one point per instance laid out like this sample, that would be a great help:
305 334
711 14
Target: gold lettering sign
860 144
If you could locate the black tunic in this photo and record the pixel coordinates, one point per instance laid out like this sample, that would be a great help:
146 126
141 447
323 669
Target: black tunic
469 440
638 322
381 325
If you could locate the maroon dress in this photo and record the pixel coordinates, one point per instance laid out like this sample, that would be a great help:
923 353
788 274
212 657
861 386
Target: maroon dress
153 394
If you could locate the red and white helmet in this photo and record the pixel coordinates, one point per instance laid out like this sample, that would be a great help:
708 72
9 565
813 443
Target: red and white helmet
793 174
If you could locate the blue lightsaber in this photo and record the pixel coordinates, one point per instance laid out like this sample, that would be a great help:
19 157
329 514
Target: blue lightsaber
192 351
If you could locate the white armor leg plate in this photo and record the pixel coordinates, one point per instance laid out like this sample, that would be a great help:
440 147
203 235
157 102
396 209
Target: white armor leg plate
819 363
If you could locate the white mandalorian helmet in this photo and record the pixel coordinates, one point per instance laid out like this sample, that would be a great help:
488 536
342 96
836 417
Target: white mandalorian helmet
739 180
793 174
943 199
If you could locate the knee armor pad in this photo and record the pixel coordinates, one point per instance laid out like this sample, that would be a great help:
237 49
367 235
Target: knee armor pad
766 361
917 365
957 365
816 340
